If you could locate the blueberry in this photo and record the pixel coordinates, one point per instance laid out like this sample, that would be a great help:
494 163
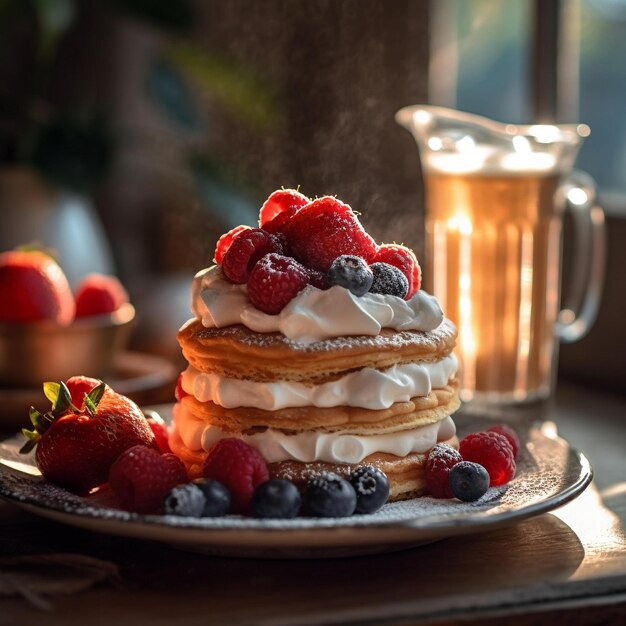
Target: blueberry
371 487
352 273
217 497
468 481
388 280
276 498
185 500
329 495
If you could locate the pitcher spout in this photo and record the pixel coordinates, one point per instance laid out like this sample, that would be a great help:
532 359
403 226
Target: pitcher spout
451 141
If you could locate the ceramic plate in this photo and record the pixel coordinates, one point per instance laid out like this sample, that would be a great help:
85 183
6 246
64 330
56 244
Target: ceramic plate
550 473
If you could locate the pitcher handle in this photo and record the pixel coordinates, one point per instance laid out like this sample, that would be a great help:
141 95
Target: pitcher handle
587 277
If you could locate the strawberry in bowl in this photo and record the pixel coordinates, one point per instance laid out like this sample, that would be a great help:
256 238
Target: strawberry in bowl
48 333
85 431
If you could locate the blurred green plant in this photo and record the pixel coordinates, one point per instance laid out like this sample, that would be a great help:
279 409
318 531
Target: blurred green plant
73 147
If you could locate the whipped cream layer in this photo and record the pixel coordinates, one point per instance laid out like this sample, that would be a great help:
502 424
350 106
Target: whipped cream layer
306 447
313 315
367 388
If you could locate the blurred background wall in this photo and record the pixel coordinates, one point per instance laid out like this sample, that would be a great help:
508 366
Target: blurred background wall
177 119
134 132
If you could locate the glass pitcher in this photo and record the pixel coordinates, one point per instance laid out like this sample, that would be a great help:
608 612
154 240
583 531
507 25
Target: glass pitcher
495 198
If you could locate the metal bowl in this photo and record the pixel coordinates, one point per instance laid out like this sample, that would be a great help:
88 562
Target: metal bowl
33 353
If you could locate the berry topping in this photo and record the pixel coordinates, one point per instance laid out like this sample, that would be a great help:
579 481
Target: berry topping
223 243
493 451
245 251
440 459
98 294
510 435
240 467
325 229
404 259
33 287
318 279
275 281
185 500
371 487
179 392
278 225
352 273
159 430
280 201
276 498
141 478
217 497
468 481
329 495
388 280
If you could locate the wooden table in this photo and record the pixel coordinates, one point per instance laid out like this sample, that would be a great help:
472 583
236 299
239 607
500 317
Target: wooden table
566 567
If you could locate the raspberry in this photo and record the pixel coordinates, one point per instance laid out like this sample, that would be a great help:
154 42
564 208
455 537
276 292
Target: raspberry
318 279
510 435
492 451
238 466
275 281
404 259
325 229
141 478
388 280
440 459
281 200
223 243
245 251
159 429
179 392
98 294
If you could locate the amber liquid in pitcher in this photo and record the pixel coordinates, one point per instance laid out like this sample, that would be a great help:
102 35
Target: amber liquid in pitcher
494 249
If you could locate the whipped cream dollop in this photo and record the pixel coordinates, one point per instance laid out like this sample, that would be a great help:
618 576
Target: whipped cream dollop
313 315
306 447
367 388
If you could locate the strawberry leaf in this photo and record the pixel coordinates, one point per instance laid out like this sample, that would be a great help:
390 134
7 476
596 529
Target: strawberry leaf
93 398
51 391
33 437
60 396
64 401
39 421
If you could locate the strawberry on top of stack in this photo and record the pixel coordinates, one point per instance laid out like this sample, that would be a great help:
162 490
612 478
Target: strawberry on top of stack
319 242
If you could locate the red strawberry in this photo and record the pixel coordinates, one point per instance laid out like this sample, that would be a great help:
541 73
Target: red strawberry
33 287
404 259
159 430
141 478
279 201
223 243
325 229
98 294
77 444
179 392
79 387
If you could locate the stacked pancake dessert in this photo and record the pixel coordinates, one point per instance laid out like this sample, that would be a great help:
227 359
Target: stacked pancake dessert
315 345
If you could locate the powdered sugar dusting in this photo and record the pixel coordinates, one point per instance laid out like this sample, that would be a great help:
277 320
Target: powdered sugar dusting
386 340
